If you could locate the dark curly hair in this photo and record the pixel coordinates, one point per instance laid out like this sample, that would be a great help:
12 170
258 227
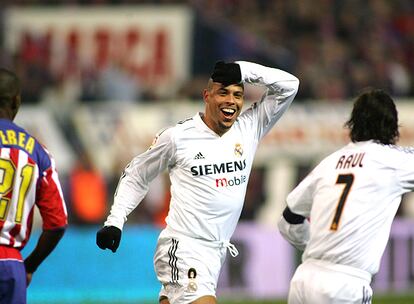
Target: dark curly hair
374 117
9 86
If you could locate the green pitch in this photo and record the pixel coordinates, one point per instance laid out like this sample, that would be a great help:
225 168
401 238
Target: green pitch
380 299
389 299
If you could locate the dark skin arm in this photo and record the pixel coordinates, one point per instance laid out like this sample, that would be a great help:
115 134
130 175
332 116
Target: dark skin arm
45 245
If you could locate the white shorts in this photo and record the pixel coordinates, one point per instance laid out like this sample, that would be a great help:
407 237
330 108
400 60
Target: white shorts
321 282
187 268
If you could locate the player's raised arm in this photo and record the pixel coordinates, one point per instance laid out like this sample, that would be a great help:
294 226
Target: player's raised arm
278 82
133 186
281 89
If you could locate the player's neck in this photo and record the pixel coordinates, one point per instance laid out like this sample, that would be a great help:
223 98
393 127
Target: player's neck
213 126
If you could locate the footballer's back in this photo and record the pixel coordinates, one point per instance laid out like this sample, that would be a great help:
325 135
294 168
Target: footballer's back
28 178
355 195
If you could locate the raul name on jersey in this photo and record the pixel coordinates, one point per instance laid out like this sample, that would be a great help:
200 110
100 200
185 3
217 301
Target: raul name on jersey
350 161
202 167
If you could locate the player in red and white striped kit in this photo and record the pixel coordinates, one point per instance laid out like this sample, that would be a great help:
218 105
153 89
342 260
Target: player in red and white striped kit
28 178
209 158
351 198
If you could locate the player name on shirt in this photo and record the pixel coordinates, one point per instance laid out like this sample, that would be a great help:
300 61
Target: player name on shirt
350 161
16 138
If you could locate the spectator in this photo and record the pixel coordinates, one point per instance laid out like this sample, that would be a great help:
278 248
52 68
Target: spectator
88 192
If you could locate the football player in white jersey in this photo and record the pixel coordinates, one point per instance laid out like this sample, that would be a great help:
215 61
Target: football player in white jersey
341 213
209 158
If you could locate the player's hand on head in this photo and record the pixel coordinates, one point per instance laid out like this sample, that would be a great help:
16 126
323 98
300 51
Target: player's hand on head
226 73
108 237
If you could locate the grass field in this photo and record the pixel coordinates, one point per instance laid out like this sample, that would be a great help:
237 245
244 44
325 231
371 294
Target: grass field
383 299
389 299
380 299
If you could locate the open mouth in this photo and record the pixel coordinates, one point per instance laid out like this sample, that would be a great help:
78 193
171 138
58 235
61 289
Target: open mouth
228 112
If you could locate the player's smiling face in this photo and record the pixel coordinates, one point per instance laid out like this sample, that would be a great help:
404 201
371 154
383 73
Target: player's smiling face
223 105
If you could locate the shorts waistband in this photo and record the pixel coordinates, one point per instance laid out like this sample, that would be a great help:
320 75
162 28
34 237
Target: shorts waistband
365 275
168 231
10 253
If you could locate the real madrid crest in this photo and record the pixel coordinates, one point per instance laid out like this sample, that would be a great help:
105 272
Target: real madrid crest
238 150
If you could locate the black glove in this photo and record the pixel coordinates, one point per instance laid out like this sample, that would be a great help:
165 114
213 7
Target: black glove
226 73
108 237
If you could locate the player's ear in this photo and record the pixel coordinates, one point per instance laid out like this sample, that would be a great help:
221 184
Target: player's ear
205 94
207 90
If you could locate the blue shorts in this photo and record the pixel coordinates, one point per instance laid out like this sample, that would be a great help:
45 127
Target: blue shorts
12 282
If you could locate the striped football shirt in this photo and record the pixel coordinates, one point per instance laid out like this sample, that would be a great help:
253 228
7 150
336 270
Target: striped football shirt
28 178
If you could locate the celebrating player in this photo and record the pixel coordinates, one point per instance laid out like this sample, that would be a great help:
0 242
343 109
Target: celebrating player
28 178
351 198
209 158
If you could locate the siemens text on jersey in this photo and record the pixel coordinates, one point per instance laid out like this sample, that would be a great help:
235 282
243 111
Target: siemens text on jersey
208 169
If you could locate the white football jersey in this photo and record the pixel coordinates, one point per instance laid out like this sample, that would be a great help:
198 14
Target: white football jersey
351 199
208 173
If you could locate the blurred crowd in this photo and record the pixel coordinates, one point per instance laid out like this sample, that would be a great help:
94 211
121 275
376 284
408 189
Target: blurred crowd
335 47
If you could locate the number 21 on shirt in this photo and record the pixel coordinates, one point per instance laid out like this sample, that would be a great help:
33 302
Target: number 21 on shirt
7 180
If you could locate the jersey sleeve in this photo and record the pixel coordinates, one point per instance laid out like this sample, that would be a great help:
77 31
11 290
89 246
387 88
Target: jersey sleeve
50 200
293 224
296 234
281 89
134 182
300 199
405 169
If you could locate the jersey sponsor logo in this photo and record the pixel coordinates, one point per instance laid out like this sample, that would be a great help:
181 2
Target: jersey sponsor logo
238 150
228 167
235 181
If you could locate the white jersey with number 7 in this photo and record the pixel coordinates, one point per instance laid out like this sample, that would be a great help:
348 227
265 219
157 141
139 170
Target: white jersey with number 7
351 199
